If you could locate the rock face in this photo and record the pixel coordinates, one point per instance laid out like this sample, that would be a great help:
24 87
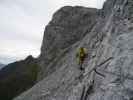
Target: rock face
107 34
69 25
17 77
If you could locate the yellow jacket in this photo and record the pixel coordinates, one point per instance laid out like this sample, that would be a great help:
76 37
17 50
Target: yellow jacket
81 54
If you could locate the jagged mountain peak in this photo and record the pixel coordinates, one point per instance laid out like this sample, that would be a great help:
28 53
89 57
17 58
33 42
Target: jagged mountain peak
107 34
68 25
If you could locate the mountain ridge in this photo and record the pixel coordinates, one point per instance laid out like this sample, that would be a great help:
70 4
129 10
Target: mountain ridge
17 77
109 46
106 75
1 65
107 34
66 21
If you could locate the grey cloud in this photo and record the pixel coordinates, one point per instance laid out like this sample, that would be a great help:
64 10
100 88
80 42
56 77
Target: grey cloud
23 22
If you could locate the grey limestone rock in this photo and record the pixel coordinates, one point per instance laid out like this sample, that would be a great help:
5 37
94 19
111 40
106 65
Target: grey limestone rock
108 36
69 25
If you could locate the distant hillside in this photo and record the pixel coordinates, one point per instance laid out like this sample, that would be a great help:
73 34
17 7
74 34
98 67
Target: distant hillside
17 77
1 65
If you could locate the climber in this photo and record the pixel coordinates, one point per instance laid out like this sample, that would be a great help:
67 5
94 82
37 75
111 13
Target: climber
81 55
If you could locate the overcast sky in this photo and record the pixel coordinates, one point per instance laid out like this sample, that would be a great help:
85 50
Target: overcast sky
22 23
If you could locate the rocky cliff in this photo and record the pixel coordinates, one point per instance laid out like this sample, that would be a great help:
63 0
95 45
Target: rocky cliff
107 34
69 25
17 77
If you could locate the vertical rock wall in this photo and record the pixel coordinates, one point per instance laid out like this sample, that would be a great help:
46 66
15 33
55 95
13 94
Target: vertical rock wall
108 73
68 25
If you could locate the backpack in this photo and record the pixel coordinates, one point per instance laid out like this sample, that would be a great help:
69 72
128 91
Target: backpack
82 52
